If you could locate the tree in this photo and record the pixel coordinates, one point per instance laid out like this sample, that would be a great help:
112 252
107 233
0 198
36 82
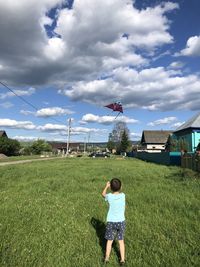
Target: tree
9 147
111 145
26 150
198 147
182 145
115 137
40 146
172 144
177 145
117 131
124 142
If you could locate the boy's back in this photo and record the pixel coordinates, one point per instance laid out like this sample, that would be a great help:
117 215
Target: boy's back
116 207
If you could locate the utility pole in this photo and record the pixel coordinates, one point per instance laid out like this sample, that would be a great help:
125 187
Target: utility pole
68 135
84 145
88 141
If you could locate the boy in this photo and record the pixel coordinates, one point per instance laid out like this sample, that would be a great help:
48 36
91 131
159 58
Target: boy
115 218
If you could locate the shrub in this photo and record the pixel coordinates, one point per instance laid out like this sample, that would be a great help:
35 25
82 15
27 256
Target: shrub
9 147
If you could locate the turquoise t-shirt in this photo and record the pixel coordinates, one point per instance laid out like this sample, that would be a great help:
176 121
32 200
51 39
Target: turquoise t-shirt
116 207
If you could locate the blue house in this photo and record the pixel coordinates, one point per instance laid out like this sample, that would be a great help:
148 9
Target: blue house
189 132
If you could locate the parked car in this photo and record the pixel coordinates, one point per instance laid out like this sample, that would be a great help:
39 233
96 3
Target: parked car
99 155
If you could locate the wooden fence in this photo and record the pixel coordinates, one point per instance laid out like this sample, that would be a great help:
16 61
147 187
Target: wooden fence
191 161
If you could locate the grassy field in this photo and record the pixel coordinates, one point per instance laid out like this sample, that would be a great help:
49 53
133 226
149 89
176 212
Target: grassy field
52 214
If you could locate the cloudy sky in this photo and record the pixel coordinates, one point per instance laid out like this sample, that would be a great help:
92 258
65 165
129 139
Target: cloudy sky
68 59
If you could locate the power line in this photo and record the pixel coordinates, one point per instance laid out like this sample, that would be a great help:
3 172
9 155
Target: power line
25 101
19 96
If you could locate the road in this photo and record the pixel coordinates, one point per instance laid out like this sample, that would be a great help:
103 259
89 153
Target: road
26 161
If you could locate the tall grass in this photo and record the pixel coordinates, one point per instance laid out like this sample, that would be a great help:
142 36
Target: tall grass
52 214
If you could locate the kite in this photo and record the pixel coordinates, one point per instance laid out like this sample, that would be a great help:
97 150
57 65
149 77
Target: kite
117 106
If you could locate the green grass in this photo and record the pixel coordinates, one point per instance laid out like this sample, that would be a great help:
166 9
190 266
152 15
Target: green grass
52 213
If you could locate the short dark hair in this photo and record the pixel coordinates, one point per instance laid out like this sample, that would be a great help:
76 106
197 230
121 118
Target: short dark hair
115 184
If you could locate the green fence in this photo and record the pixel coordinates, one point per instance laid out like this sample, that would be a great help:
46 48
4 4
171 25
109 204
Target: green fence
188 160
165 158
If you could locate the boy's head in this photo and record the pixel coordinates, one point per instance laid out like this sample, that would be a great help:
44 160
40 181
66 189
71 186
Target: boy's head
115 184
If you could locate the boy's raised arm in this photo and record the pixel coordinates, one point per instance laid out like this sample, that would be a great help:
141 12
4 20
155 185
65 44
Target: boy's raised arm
105 189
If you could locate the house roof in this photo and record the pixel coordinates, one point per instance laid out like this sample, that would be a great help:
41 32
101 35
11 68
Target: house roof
194 122
155 137
3 133
57 145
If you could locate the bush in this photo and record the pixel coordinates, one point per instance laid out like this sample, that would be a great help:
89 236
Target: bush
9 147
26 150
40 146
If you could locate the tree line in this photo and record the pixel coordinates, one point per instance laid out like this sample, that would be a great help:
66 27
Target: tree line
118 142
11 147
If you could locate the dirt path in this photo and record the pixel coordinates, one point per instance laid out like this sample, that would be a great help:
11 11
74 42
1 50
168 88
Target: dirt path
25 161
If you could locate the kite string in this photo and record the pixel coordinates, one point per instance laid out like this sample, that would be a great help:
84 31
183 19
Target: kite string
110 113
117 115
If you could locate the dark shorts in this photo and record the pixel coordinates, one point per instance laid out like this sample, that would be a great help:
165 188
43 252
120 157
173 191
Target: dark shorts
115 229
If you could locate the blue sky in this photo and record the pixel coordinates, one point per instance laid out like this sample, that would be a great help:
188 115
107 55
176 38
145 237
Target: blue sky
70 58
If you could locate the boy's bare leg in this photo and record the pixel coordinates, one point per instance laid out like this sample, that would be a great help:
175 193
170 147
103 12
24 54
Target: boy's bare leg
108 249
122 250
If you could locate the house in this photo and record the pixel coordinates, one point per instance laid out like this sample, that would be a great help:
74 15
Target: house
154 141
61 148
189 132
3 134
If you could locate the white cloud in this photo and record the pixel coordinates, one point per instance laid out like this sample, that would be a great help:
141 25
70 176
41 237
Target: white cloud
8 123
25 138
135 136
59 128
63 129
87 39
45 21
176 65
106 120
192 47
52 111
55 49
27 92
150 88
85 130
6 105
48 112
52 127
177 124
121 16
26 112
166 120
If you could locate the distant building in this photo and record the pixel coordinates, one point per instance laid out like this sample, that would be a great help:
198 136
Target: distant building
76 147
154 141
61 148
3 134
189 132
